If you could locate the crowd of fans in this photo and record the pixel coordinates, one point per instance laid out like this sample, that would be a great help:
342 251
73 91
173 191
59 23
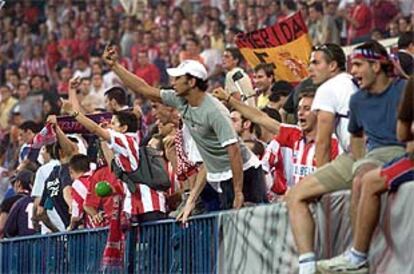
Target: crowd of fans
51 64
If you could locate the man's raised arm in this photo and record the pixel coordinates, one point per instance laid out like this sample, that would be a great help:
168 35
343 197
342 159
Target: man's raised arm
131 81
251 113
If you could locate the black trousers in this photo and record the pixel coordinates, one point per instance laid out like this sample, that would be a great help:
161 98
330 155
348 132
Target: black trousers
254 189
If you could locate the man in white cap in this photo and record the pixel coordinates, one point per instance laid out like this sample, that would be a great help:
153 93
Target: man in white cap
227 161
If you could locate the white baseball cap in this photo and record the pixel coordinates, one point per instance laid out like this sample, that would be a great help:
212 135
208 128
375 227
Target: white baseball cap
192 67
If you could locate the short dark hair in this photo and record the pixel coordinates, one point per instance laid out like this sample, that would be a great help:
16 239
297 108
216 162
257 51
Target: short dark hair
405 39
274 97
317 6
6 87
282 88
290 4
379 49
79 163
307 93
23 84
50 149
200 83
86 78
30 125
272 113
258 148
406 62
267 68
193 39
232 14
129 119
333 52
80 58
36 76
118 94
235 53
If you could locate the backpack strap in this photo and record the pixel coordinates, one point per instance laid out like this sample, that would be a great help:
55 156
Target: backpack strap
120 174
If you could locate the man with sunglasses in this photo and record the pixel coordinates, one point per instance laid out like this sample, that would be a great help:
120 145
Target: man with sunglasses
372 125
331 104
373 114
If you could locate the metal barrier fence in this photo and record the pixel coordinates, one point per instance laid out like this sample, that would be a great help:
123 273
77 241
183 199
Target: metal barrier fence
156 247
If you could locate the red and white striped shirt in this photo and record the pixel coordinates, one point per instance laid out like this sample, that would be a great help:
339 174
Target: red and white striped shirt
143 200
126 154
79 192
126 149
277 161
302 159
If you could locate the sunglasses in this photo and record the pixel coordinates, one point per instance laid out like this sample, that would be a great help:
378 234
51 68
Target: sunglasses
325 49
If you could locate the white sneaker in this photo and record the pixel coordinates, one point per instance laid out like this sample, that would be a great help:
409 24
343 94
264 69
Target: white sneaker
341 264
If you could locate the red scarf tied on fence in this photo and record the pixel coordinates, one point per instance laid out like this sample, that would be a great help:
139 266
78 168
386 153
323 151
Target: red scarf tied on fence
113 257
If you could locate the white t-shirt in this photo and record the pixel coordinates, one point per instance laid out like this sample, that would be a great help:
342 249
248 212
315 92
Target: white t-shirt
333 96
190 146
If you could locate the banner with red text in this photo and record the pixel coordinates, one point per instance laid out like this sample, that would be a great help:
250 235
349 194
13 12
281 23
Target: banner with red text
68 124
286 45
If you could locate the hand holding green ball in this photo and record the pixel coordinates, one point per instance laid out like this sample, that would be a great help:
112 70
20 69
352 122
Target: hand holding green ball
103 189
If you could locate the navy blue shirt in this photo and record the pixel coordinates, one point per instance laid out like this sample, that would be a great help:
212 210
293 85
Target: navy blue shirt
19 221
376 115
52 196
8 203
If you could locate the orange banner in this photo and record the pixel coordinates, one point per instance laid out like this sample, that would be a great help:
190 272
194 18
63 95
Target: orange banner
286 45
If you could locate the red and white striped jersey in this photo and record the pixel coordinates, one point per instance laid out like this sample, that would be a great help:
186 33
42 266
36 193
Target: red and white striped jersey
302 156
79 192
125 147
277 161
145 199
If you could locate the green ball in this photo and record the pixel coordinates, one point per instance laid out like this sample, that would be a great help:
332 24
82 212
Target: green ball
103 189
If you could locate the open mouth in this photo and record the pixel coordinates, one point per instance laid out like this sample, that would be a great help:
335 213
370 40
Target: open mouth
358 80
301 121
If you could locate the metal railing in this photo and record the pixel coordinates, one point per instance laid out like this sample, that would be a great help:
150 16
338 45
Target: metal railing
155 247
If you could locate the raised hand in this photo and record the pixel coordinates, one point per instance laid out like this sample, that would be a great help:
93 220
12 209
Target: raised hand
110 55
67 107
74 83
51 119
221 94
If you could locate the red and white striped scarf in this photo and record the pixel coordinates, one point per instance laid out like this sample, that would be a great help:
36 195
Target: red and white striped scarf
185 167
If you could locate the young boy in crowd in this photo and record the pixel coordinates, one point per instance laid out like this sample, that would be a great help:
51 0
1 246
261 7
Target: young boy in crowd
145 204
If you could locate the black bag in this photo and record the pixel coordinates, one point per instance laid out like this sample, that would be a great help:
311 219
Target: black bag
151 171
